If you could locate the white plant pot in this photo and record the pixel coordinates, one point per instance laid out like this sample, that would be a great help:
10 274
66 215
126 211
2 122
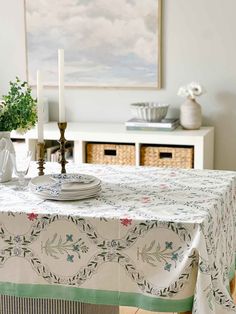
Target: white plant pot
190 115
6 143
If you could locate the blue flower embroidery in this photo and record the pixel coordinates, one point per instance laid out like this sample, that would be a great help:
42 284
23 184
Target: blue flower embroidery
70 258
69 237
169 245
167 266
175 256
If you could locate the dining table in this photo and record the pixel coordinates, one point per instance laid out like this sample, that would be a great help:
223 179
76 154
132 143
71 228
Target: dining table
157 239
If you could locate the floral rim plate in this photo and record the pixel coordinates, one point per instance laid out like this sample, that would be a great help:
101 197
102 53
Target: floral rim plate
65 186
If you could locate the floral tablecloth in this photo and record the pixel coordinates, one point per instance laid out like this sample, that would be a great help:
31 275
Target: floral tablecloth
158 239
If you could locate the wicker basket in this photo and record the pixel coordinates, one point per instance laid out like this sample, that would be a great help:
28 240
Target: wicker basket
111 154
161 156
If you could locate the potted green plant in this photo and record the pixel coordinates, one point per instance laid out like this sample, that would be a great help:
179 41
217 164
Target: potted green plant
18 111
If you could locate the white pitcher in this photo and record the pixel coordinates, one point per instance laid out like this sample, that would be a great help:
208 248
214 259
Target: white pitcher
6 144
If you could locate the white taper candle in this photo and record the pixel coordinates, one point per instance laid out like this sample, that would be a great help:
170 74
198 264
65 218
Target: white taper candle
62 109
40 106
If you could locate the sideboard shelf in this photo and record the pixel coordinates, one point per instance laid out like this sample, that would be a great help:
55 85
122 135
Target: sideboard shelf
82 132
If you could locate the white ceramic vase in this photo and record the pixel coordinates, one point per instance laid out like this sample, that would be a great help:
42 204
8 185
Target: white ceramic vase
6 143
190 114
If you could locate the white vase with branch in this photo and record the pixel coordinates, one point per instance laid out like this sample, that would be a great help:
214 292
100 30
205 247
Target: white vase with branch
190 110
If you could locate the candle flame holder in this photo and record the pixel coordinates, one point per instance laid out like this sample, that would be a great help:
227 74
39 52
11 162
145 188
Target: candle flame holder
62 127
40 158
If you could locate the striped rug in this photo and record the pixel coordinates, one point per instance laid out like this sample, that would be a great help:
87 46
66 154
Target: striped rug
16 305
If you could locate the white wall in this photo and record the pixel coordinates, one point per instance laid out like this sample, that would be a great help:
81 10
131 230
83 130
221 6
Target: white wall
199 44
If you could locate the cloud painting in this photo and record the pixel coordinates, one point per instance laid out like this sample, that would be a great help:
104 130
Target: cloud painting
107 43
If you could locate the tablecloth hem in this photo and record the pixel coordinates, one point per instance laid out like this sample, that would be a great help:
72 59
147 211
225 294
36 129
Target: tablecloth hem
93 296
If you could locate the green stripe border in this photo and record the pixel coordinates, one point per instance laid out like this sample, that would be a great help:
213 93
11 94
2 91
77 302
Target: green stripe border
101 297
95 297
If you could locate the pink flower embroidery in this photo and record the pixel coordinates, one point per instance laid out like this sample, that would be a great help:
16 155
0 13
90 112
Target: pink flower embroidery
145 199
163 186
125 222
32 216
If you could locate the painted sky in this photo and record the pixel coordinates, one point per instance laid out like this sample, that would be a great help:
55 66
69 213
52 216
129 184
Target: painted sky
106 42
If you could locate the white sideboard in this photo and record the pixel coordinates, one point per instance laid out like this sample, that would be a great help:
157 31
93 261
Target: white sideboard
80 133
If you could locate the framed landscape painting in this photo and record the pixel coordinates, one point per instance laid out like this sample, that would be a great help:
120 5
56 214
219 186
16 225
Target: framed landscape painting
107 43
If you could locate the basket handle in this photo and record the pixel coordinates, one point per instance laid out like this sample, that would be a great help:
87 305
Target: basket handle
109 152
165 155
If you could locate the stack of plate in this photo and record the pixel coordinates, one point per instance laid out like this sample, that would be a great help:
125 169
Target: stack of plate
65 187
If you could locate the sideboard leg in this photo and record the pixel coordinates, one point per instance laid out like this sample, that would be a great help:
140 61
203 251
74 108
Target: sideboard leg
233 288
133 310
232 285
128 310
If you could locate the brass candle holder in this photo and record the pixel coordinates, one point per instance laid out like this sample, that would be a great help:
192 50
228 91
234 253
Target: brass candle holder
40 158
62 127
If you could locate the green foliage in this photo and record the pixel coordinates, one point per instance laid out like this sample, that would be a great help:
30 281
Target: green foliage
18 110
